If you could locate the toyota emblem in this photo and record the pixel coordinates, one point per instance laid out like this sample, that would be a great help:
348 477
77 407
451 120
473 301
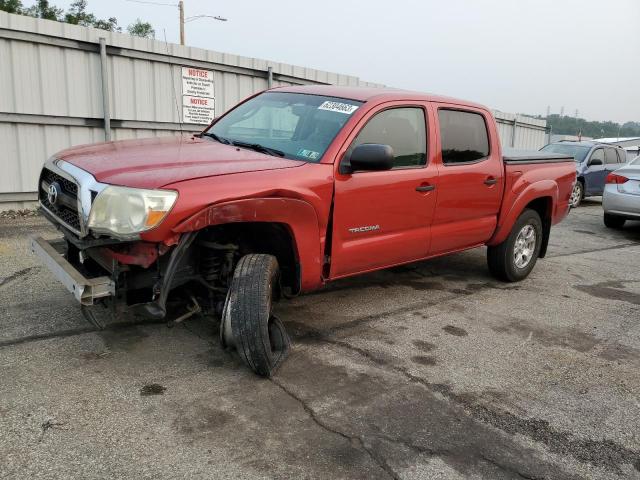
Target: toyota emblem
52 194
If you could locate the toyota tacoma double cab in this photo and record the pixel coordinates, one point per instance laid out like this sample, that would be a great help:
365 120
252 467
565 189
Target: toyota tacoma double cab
292 188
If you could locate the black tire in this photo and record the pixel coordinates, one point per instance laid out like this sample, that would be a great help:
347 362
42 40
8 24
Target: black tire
501 258
577 195
98 315
614 221
259 336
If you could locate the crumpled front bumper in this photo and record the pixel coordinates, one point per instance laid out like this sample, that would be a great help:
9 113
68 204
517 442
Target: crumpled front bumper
85 290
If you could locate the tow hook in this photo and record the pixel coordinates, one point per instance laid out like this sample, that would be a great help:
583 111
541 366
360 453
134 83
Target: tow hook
191 311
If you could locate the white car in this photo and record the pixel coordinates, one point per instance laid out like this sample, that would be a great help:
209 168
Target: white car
621 197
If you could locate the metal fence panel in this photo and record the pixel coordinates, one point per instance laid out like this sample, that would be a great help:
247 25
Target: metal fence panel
520 132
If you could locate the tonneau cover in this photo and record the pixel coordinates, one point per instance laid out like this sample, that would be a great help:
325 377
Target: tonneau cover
524 156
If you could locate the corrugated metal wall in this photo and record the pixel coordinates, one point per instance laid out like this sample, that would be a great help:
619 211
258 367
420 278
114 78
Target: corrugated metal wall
51 93
51 84
520 132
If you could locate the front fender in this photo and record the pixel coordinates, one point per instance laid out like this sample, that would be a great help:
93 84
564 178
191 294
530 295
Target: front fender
299 217
518 201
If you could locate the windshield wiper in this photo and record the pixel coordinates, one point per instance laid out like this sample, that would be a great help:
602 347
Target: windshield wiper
217 138
259 148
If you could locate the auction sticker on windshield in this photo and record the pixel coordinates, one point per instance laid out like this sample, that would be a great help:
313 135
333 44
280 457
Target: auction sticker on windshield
310 154
346 108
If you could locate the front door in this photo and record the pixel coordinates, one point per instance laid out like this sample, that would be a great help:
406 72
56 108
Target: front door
383 218
596 173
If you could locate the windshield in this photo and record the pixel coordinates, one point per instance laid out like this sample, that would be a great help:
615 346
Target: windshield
578 152
292 125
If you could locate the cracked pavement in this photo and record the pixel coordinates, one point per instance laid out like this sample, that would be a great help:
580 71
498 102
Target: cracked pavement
431 370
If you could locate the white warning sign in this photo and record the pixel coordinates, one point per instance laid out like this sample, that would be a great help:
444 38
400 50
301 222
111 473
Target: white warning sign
197 110
198 97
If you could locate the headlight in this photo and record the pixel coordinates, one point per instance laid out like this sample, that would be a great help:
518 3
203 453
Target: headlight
126 211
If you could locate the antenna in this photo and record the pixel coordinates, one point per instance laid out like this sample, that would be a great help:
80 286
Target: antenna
173 84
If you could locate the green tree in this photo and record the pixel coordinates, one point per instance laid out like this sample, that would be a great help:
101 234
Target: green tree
11 6
76 15
141 29
42 9
563 125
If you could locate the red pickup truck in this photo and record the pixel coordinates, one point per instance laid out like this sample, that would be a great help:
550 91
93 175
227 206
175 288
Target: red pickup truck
291 189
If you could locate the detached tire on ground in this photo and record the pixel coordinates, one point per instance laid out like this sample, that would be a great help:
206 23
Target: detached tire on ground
513 259
614 221
248 320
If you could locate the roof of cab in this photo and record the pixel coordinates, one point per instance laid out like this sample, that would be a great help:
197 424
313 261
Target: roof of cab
366 94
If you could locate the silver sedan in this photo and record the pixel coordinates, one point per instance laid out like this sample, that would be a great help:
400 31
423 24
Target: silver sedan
621 197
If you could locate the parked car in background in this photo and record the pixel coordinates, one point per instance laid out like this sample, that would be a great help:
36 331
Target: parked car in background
594 161
621 198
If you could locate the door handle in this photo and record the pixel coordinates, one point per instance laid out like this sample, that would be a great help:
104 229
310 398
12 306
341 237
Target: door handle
491 181
425 188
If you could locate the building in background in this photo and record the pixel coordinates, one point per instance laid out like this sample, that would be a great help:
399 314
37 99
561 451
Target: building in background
569 138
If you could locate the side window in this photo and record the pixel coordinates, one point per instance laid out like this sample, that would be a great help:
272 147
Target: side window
463 135
401 128
622 156
598 155
611 156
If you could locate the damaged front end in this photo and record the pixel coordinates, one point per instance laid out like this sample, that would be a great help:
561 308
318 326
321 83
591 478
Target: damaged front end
101 259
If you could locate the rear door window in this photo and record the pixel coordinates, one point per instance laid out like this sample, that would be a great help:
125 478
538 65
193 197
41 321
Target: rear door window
464 136
611 156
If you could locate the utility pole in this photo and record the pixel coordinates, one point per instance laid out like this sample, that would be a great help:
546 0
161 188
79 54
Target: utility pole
181 7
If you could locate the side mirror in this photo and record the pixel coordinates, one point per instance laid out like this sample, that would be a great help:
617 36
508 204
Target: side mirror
594 161
368 157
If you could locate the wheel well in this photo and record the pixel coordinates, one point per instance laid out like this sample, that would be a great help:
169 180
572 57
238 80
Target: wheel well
543 206
261 237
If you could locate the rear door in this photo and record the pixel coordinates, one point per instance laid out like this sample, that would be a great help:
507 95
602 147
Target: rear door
471 179
383 218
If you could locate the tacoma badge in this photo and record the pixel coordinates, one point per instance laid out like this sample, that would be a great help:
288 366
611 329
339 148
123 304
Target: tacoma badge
368 228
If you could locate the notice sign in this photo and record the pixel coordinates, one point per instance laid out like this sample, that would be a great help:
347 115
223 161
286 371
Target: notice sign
197 96
197 110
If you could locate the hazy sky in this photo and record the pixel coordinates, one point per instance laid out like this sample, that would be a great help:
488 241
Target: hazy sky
513 55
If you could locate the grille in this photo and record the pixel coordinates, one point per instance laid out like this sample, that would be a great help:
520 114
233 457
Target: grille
68 213
69 187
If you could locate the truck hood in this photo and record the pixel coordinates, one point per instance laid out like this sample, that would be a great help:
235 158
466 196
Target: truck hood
156 162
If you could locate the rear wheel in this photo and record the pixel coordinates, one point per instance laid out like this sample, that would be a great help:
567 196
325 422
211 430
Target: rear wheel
577 195
248 322
614 221
513 259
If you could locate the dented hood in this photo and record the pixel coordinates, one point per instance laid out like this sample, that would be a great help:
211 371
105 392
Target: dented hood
156 162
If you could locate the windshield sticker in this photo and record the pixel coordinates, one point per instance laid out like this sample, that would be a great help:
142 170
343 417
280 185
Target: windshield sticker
310 154
338 107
